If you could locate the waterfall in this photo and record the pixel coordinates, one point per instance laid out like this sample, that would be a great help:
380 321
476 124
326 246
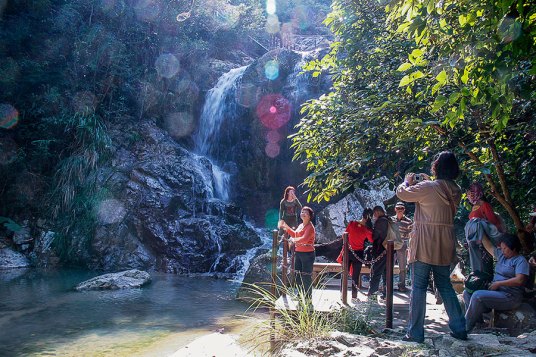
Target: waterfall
215 110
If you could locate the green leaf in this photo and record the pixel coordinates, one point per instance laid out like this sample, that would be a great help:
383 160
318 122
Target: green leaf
416 53
465 77
442 77
462 19
405 81
404 67
439 102
453 98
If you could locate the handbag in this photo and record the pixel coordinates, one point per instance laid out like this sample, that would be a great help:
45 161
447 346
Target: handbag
477 280
393 234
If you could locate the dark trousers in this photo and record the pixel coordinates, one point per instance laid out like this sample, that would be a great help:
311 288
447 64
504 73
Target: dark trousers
355 264
303 266
377 272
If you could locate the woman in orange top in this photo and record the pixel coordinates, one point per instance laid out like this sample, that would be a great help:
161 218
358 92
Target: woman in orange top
304 239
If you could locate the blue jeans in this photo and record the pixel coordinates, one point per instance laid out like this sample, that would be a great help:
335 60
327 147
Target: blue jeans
482 301
420 275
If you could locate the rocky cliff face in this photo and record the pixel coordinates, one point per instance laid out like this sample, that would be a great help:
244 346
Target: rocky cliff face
162 214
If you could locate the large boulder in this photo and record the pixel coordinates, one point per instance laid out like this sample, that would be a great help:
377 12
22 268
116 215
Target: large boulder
516 321
123 280
10 259
332 220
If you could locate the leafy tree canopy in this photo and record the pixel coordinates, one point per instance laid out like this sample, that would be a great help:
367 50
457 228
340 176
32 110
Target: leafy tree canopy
412 78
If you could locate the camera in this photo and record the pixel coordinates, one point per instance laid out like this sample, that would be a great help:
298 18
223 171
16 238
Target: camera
418 178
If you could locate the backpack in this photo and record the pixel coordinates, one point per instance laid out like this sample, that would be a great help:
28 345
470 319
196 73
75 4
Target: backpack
477 280
393 234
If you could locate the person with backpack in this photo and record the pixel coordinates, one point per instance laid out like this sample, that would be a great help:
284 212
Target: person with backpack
483 221
379 234
432 247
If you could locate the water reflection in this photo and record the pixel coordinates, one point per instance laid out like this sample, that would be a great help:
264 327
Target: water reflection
41 313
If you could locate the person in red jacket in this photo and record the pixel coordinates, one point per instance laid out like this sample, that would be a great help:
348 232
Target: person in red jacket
303 239
358 233
481 208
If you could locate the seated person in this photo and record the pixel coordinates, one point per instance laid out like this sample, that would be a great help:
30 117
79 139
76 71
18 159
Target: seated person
506 289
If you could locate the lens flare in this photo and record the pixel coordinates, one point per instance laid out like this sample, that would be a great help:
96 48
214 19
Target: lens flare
273 111
270 7
111 211
272 150
273 136
183 16
167 65
84 102
180 124
271 218
271 70
272 24
107 5
9 70
227 18
509 29
302 17
8 151
247 95
9 116
147 10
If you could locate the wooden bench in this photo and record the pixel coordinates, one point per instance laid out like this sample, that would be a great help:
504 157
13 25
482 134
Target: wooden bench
322 268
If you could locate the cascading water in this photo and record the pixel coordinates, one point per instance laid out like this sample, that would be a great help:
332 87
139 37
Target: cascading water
218 106
215 110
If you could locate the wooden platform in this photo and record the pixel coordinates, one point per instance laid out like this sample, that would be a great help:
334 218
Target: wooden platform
323 268
329 300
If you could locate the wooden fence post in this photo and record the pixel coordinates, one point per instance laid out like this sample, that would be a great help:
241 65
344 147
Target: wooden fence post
389 285
284 269
274 287
344 278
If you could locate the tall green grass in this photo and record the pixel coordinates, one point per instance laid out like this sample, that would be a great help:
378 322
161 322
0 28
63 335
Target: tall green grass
303 323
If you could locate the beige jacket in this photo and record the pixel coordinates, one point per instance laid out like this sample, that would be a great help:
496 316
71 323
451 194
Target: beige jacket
432 239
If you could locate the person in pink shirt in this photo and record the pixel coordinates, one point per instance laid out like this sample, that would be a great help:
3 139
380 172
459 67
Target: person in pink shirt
303 239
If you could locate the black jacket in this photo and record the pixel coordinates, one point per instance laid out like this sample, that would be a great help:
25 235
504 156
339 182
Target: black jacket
379 234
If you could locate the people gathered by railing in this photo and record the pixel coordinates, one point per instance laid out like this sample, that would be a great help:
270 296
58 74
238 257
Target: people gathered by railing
429 251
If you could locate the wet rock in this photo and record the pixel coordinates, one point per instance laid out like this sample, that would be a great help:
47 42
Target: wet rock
124 280
11 259
259 273
163 214
43 255
23 236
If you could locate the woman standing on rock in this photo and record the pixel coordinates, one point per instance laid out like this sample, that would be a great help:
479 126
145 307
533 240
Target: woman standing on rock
303 239
433 245
290 207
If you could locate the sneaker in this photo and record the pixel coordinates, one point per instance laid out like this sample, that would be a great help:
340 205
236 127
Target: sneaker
410 339
402 289
459 335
